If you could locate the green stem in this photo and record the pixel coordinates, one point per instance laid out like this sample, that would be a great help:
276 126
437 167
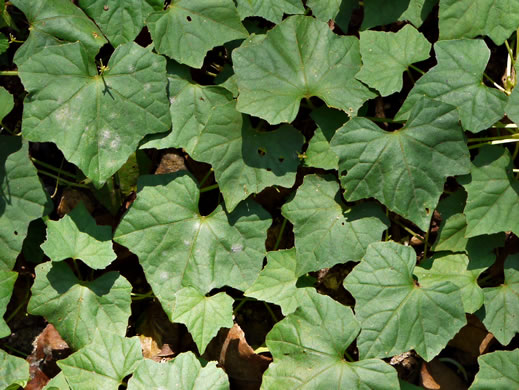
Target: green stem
417 69
271 312
510 53
18 308
410 75
9 73
63 181
246 299
348 356
500 137
458 366
426 243
138 296
281 230
504 141
209 188
76 269
16 351
376 119
205 177
408 230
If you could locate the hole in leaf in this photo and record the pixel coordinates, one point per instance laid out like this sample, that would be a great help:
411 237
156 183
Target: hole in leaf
281 159
427 211
189 18
15 233
261 151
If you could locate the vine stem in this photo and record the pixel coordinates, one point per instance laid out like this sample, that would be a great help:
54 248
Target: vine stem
63 181
281 230
417 69
9 73
209 188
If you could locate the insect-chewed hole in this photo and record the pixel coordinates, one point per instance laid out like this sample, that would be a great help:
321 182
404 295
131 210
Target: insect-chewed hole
15 233
262 151
189 18
281 159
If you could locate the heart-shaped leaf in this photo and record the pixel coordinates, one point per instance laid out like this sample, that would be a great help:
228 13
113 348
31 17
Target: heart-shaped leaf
404 169
97 120
326 231
184 372
177 247
188 29
78 308
299 58
395 313
308 347
77 236
22 198
7 279
497 371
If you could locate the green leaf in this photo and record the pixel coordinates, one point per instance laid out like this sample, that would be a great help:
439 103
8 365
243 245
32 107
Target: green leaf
325 10
177 247
22 198
7 279
319 153
493 194
6 102
57 383
386 55
397 315
457 269
14 371
191 106
4 44
380 12
308 347
277 282
58 20
188 29
457 80
326 231
244 160
451 235
272 10
77 236
120 20
502 304
497 371
404 169
203 316
299 58
77 308
470 18
96 120
102 364
184 372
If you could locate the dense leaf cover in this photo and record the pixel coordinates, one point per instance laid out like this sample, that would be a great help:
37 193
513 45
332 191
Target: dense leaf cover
336 176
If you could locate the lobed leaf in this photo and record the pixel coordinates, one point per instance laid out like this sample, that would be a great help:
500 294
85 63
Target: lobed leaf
120 20
470 18
22 198
97 120
185 372
203 316
308 347
271 10
7 279
188 29
77 308
497 371
457 80
395 313
177 247
405 169
277 282
380 12
385 55
77 236
14 371
502 304
326 231
102 364
299 58
57 20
